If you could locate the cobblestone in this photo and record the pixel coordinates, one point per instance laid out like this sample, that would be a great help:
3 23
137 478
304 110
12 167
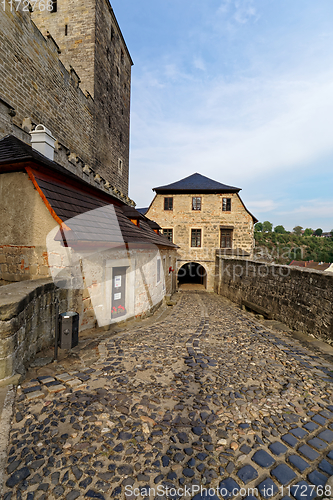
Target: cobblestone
205 396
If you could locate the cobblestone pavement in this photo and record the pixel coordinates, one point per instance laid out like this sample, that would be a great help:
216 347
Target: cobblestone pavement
204 397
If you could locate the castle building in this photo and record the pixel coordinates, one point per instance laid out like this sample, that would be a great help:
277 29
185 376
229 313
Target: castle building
202 216
69 69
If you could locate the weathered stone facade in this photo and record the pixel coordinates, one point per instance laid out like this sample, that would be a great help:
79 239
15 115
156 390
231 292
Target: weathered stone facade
27 320
210 219
300 298
90 120
23 230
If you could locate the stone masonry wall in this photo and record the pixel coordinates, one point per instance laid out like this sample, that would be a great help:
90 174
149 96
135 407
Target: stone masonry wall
300 298
91 42
27 320
36 87
209 219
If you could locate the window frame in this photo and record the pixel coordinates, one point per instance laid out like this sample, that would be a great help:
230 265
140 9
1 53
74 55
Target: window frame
165 234
191 237
194 206
120 166
230 235
227 202
158 270
165 203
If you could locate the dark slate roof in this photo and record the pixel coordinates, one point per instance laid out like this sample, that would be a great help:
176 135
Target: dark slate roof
196 183
142 211
92 219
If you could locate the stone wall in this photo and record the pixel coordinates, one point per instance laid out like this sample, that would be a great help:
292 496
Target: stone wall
27 320
209 219
91 42
37 87
300 298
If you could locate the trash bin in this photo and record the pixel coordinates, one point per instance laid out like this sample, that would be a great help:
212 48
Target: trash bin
68 330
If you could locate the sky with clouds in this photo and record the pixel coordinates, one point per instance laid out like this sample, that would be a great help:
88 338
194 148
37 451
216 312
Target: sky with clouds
240 91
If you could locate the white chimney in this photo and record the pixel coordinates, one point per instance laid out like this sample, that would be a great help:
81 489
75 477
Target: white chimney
43 141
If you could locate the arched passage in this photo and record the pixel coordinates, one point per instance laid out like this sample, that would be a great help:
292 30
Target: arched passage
192 273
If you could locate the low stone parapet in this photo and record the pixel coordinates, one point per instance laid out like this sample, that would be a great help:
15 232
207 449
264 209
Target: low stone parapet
28 319
301 298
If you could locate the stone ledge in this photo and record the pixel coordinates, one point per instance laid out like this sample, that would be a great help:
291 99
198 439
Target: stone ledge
14 298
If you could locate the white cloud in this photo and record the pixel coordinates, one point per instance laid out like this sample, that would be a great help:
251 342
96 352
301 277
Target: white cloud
244 129
199 63
261 206
241 11
314 209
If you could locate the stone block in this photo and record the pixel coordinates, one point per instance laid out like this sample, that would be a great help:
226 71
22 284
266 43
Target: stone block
6 367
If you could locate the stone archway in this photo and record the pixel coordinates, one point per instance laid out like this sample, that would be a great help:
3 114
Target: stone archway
192 273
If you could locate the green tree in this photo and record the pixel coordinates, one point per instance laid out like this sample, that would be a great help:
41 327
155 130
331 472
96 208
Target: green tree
308 231
298 230
258 227
267 226
280 230
318 232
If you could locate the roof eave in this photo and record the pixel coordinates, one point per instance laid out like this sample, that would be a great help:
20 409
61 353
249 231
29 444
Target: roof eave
195 191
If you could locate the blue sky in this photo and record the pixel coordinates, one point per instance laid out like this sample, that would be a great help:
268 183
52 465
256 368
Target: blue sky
240 91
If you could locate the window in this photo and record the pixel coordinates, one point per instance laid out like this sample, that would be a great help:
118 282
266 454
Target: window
121 137
66 29
120 166
122 57
226 238
54 6
168 233
196 203
158 271
195 237
226 204
168 203
112 33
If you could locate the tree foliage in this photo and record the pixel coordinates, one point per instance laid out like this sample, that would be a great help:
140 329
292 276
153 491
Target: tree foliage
280 230
298 230
258 227
318 232
308 231
267 226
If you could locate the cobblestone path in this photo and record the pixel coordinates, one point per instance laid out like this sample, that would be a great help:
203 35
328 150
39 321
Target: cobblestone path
206 397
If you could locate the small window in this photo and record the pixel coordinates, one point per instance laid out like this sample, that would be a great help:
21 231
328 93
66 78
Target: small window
122 57
122 111
168 203
196 203
117 71
226 238
226 204
112 33
120 166
196 238
168 233
121 137
158 271
54 6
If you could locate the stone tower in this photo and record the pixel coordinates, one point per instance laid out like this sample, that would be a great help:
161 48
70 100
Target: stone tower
91 42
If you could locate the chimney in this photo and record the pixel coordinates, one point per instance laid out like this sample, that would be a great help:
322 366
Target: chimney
43 141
